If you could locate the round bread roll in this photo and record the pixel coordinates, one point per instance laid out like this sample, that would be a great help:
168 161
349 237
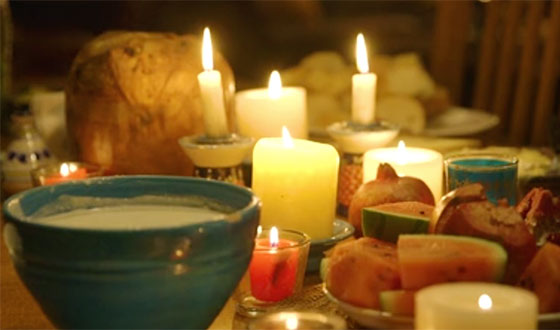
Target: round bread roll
131 95
407 112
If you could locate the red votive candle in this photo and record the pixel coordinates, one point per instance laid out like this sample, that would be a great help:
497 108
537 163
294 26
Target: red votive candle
278 264
64 172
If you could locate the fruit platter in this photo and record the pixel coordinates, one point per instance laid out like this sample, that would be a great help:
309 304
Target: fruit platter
411 242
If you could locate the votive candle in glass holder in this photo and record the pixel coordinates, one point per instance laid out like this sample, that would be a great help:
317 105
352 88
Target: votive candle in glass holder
276 271
298 320
64 172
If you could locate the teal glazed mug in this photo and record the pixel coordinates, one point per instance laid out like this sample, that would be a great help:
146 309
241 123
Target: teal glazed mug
497 173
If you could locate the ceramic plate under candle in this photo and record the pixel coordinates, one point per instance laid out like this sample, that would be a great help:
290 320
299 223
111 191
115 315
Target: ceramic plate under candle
373 318
341 230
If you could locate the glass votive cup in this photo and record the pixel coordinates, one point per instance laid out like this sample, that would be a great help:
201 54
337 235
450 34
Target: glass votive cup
276 271
497 173
298 320
64 172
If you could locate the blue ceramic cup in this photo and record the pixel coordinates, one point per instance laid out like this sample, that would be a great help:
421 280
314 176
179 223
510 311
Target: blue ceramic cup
497 173
162 276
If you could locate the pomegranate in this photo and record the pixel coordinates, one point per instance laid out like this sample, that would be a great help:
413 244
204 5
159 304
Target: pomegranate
388 187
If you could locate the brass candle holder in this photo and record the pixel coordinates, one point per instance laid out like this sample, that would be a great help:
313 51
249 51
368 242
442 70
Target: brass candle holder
353 141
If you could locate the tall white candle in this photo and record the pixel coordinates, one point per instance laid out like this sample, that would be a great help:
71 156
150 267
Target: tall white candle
364 85
424 164
296 181
475 306
211 92
262 112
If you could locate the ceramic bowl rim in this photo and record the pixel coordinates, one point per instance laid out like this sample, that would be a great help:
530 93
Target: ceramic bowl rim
231 218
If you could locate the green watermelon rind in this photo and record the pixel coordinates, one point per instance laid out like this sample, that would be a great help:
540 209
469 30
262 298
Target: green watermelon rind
499 254
387 226
388 301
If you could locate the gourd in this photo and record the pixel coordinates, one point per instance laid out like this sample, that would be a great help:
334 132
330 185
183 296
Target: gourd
131 95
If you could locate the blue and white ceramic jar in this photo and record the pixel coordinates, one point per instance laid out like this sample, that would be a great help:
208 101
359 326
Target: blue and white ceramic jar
25 152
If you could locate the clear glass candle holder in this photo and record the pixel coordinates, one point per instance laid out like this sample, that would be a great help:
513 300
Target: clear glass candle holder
497 173
276 271
298 320
64 172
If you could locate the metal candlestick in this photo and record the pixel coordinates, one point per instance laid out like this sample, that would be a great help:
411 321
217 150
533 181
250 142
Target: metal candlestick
218 158
353 141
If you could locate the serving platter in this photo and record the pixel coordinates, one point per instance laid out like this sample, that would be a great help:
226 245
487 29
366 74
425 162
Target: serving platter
458 121
341 230
372 318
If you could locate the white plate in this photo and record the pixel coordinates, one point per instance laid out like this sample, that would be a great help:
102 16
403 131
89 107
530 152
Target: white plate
372 318
459 121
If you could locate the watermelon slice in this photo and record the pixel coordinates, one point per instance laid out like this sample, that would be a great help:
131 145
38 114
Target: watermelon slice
397 302
386 222
360 269
429 259
543 277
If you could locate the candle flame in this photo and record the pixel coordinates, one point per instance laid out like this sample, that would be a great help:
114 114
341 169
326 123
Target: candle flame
287 138
292 323
485 302
273 237
259 231
207 55
274 85
401 153
361 54
64 170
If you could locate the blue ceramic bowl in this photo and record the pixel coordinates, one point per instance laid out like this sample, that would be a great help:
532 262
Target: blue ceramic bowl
89 278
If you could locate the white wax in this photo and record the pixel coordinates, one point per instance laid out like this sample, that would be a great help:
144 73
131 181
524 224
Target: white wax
212 95
131 217
456 306
364 86
259 115
424 164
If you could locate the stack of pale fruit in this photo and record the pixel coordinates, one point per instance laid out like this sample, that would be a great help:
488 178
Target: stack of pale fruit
411 243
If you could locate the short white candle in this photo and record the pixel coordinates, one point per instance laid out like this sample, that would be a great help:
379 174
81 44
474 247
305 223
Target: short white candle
424 164
296 181
211 92
475 306
262 112
364 85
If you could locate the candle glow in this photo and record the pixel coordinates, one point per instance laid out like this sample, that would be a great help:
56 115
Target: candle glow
292 323
361 54
273 237
275 85
287 138
64 170
207 54
485 302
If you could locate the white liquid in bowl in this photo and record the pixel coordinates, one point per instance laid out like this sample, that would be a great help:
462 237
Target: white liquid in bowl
131 217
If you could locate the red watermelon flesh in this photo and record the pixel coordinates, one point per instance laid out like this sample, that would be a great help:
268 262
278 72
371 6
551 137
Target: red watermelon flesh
543 278
360 269
430 259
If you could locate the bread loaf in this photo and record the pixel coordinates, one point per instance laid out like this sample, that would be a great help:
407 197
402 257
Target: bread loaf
131 95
